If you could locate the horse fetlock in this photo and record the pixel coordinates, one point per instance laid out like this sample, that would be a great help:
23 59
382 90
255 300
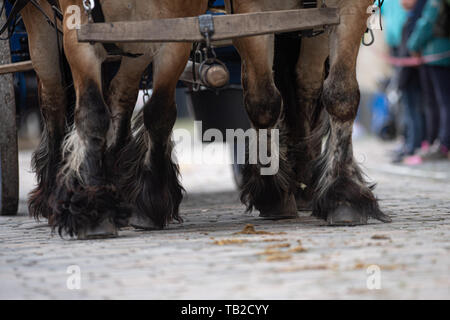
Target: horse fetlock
92 116
264 110
160 114
341 98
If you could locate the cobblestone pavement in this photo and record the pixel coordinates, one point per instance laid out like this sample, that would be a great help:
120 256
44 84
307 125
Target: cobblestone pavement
203 258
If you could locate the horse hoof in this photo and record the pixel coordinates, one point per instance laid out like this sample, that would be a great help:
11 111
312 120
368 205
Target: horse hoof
287 210
142 222
105 229
303 205
346 216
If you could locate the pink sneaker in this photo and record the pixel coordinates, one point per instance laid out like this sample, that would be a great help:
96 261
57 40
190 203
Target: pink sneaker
413 160
438 153
425 147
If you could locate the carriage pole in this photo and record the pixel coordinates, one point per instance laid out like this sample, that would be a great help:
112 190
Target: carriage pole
9 166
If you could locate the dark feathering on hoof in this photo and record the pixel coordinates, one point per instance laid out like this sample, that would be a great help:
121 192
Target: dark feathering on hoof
77 208
150 178
45 163
271 195
345 202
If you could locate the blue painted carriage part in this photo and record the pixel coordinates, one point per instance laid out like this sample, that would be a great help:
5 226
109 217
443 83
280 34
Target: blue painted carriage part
218 3
19 52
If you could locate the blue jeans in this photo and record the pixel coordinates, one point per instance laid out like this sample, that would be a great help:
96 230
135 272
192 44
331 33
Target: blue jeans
414 117
440 78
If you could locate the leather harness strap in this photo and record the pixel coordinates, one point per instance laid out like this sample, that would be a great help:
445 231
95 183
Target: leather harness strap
18 5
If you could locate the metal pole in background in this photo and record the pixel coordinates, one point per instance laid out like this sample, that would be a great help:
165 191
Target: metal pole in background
9 165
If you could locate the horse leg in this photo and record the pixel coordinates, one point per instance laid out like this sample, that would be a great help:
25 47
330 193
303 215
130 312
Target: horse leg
150 175
121 99
311 72
272 194
46 159
342 196
299 76
85 202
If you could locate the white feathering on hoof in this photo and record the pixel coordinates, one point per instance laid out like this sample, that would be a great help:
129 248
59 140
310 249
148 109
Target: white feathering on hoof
73 151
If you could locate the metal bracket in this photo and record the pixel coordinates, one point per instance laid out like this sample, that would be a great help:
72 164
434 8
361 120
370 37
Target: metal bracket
206 26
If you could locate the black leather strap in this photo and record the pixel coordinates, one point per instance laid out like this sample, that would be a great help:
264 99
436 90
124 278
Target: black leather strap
308 4
18 5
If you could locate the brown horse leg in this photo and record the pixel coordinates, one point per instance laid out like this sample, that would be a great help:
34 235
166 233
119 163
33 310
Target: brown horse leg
84 202
46 159
299 70
311 72
342 196
121 99
150 175
272 194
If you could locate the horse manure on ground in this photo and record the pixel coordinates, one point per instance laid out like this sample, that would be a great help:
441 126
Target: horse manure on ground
250 229
229 241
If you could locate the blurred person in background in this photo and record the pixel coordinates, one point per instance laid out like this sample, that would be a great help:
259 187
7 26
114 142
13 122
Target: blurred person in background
410 86
430 37
394 18
387 108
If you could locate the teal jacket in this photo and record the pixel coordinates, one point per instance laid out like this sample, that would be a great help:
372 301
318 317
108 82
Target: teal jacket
394 17
423 40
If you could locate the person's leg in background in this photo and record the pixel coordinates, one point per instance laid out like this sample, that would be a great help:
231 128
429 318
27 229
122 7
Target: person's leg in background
431 118
430 105
414 119
440 77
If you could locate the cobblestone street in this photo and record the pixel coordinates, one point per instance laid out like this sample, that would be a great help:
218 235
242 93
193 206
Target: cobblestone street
207 258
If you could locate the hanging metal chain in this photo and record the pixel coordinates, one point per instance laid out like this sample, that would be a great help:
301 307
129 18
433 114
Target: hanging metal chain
146 97
145 85
370 31
197 58
89 5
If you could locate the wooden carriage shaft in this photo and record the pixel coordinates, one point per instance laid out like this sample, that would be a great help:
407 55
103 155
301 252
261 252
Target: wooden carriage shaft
225 26
187 29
